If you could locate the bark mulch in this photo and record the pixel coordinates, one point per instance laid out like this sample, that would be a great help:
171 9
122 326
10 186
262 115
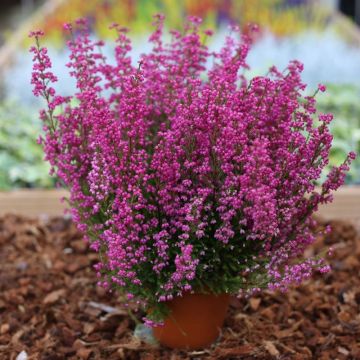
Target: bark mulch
51 308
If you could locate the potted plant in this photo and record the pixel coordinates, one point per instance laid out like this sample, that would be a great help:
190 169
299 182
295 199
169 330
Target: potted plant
192 182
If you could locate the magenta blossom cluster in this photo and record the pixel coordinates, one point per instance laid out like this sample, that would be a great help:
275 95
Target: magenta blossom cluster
184 174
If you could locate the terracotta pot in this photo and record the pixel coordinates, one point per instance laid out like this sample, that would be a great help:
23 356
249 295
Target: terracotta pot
195 321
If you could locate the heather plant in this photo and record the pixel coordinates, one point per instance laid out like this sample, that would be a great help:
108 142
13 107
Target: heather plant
184 174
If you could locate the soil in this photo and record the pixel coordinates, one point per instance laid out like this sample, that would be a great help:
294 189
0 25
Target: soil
51 308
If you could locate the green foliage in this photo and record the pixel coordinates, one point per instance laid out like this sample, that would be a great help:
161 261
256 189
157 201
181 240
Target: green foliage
344 102
21 158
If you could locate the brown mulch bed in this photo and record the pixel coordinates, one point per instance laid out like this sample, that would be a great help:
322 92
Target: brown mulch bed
51 308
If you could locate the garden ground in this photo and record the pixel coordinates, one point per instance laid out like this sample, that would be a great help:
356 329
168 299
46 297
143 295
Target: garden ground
51 308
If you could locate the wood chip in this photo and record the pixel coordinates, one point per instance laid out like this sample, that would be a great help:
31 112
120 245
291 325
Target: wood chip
271 348
22 356
54 296
107 308
343 351
4 328
84 353
226 353
255 303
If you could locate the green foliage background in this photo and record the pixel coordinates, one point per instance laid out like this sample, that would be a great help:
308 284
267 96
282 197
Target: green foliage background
344 102
21 158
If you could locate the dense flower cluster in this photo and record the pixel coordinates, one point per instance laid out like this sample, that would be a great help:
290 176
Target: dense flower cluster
184 174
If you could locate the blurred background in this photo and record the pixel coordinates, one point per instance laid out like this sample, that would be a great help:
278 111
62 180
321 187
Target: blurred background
324 35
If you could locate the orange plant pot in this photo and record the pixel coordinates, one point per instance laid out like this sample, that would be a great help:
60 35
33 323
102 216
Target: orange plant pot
194 322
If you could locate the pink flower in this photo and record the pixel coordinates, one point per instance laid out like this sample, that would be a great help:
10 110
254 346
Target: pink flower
36 33
209 32
67 26
322 87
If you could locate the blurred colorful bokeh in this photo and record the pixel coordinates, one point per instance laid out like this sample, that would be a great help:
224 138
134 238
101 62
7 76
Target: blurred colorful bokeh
281 18
312 31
